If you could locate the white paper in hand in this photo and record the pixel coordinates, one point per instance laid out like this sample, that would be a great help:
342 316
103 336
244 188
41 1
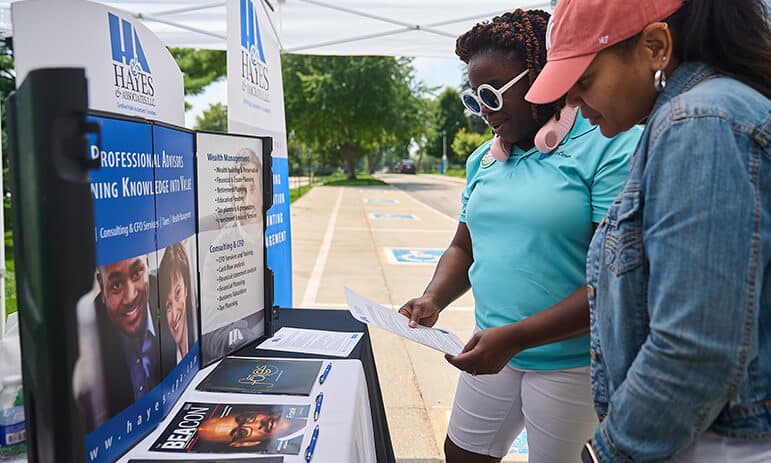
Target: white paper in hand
372 313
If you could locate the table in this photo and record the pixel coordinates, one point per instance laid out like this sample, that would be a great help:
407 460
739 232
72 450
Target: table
339 320
345 426
353 390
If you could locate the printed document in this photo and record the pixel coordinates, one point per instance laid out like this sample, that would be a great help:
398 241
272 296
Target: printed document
374 314
335 343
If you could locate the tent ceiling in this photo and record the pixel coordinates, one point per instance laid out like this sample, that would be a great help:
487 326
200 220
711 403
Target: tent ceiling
327 27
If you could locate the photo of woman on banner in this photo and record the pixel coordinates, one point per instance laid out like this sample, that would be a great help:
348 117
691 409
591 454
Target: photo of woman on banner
176 290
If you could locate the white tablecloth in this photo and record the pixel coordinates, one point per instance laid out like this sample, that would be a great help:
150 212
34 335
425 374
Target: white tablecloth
345 423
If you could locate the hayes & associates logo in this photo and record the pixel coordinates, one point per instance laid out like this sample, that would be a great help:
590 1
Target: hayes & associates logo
133 77
254 66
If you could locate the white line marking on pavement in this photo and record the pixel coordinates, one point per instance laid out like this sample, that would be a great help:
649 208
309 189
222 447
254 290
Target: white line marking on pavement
312 288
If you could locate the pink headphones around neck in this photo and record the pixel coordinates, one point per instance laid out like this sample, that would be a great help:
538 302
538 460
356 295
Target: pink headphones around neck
554 131
548 137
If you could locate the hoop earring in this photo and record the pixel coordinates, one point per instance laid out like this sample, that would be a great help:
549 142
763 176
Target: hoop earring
660 80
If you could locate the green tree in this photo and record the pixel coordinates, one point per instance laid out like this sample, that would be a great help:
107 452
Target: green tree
465 142
347 107
214 118
449 118
199 68
7 85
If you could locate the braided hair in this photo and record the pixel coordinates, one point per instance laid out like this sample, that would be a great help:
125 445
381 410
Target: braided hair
520 35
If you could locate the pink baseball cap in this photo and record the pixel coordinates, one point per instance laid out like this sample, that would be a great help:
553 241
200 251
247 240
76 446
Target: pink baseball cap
580 29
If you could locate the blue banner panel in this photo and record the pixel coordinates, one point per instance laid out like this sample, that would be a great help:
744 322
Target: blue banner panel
175 195
177 248
125 429
138 328
278 237
123 190
174 384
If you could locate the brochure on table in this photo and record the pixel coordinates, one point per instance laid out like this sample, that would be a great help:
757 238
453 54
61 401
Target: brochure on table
167 299
274 427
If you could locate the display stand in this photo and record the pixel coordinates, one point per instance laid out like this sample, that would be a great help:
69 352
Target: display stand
75 262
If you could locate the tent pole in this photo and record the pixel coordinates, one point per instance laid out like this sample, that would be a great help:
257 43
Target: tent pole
272 26
178 25
416 27
481 16
350 39
190 9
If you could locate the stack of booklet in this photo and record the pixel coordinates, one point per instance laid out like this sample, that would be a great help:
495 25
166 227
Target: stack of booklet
223 428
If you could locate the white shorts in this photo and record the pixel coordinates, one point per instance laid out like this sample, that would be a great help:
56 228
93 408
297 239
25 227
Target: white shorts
554 406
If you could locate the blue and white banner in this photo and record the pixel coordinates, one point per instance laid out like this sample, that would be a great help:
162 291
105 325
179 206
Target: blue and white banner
129 70
256 107
177 254
138 326
123 190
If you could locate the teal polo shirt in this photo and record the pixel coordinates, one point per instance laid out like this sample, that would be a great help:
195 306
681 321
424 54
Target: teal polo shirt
531 219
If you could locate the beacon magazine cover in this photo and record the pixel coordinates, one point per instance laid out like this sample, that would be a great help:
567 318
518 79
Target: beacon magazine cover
235 428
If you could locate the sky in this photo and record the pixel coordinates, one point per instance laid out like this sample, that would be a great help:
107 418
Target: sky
433 72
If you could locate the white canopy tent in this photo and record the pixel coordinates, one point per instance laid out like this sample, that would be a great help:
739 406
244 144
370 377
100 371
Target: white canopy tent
425 28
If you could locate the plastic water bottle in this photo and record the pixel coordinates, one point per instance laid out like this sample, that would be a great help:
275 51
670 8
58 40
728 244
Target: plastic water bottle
12 434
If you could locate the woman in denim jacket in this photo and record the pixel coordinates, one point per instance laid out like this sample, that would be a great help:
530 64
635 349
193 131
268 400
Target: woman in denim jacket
679 271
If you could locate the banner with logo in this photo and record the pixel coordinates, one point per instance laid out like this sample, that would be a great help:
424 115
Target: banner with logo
129 70
256 107
138 327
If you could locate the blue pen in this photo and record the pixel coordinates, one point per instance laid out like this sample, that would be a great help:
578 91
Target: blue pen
317 411
325 373
312 444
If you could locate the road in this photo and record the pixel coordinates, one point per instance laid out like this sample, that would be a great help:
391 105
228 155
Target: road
439 193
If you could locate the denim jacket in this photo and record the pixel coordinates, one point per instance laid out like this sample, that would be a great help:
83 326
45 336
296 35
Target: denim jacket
679 276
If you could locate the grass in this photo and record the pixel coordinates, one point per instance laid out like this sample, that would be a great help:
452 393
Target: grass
361 180
336 179
10 275
456 173
459 172
296 193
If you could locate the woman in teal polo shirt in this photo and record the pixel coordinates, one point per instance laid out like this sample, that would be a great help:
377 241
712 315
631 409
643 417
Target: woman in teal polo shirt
525 226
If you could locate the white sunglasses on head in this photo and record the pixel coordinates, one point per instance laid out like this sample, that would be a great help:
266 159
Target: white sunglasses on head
488 96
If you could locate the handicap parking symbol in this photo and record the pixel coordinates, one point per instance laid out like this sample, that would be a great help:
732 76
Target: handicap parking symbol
381 216
381 201
423 256
519 446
